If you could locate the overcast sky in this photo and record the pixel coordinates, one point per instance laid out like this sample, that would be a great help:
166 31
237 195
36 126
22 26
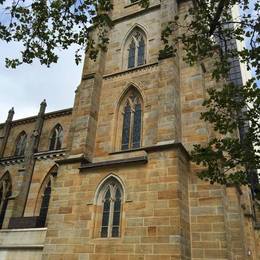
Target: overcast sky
26 86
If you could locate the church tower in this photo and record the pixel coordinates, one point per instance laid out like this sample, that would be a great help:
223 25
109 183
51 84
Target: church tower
111 178
127 166
127 189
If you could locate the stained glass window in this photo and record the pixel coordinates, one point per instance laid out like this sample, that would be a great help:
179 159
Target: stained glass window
20 144
106 213
45 203
110 225
141 49
126 127
56 138
131 56
136 49
116 217
137 126
132 121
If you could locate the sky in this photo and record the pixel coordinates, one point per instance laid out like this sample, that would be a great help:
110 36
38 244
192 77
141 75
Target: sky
26 86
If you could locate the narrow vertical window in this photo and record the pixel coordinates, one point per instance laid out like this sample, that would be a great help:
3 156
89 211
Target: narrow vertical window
5 193
56 138
111 209
131 56
117 212
20 144
135 49
141 50
137 126
132 121
126 127
45 204
106 214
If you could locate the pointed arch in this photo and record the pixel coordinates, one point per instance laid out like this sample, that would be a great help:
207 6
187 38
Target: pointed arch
135 48
56 138
44 195
103 182
130 118
5 193
109 197
20 144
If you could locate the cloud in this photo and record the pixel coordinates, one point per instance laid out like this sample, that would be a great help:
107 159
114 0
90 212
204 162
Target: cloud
25 87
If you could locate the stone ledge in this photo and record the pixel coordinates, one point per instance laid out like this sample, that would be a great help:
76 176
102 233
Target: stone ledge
73 159
22 238
134 3
141 159
128 71
23 230
26 247
158 147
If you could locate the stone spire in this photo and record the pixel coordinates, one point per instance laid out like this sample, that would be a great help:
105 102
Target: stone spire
6 131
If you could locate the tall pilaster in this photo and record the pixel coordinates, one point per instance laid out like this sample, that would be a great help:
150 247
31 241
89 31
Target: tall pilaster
169 127
86 108
6 131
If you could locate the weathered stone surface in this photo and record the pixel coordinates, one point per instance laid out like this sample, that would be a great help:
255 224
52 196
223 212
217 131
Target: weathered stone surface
167 212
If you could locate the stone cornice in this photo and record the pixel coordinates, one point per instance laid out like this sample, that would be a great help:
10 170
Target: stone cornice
50 154
158 147
145 67
10 160
31 119
141 159
138 13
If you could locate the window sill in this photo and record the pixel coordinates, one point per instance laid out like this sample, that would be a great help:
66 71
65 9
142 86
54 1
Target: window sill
127 151
108 239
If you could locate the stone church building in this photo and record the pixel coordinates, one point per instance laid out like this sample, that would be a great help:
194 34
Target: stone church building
111 178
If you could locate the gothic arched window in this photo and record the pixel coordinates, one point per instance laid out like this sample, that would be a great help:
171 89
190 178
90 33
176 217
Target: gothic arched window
136 47
44 195
131 55
56 138
20 144
131 110
45 202
141 52
110 197
5 193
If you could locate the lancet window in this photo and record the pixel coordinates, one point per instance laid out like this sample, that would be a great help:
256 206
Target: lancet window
111 200
56 138
136 46
45 202
20 144
132 121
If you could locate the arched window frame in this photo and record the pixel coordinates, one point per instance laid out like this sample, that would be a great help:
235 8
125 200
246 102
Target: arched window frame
129 129
56 138
44 196
5 194
109 229
20 144
135 45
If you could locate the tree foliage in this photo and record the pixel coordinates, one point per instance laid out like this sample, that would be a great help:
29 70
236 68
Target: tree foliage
208 30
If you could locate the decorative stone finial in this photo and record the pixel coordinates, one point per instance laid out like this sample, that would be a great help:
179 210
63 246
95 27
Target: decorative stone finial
10 114
43 107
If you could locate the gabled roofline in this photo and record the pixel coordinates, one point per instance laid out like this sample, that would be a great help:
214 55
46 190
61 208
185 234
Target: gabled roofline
48 115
